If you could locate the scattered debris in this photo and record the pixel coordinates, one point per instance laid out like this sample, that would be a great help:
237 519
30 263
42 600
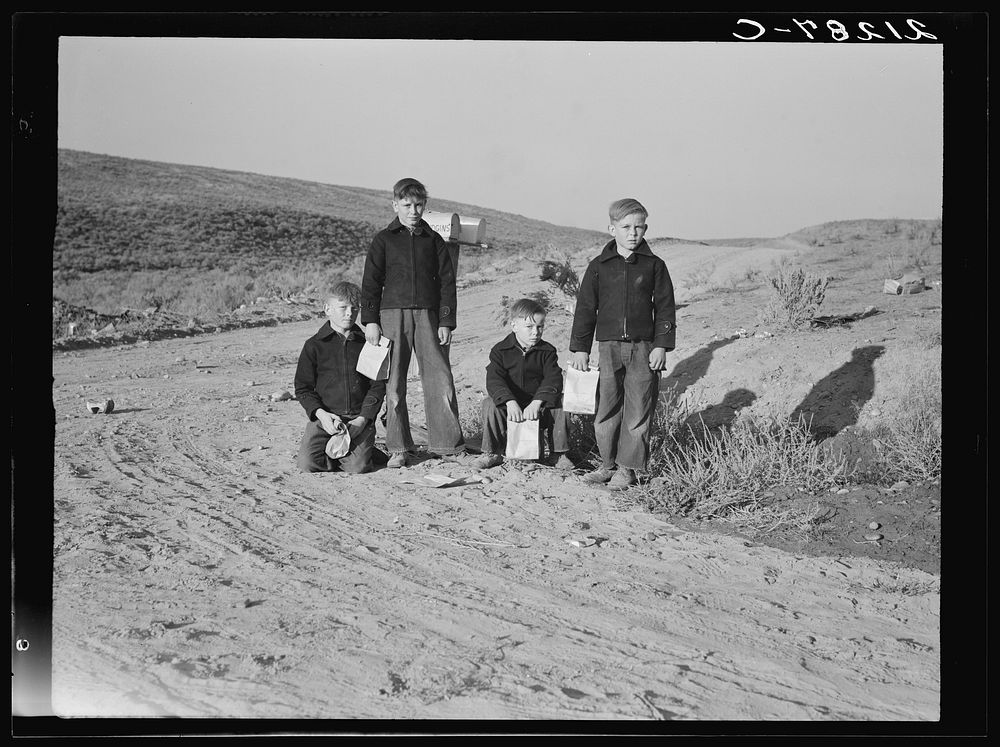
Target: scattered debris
874 525
106 406
907 285
281 396
443 481
843 320
581 541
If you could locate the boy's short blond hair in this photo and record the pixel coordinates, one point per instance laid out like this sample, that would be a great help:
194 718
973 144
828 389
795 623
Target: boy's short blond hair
627 206
409 188
525 308
345 291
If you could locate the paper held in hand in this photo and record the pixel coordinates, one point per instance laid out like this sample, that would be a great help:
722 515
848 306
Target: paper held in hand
373 361
523 440
580 391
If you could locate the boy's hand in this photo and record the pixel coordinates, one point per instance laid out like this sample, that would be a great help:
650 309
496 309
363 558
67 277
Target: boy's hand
328 421
657 359
373 333
444 335
354 427
580 361
514 411
533 409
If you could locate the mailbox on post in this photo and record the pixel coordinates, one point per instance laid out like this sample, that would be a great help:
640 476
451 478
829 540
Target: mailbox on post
458 230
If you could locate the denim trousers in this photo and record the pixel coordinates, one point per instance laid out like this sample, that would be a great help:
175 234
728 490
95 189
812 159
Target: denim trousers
312 451
626 398
552 421
415 332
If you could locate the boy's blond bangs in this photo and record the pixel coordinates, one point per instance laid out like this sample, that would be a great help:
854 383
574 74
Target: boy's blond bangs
345 291
525 308
627 206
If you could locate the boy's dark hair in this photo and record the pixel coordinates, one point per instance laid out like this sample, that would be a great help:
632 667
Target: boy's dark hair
409 188
525 308
346 291
627 206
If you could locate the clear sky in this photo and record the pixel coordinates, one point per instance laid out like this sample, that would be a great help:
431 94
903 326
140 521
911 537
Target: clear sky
717 140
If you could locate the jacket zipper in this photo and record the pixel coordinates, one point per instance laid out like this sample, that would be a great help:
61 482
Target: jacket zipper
625 299
347 379
413 269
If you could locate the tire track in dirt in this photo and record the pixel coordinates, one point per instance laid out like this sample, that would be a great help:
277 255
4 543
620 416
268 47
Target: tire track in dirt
200 575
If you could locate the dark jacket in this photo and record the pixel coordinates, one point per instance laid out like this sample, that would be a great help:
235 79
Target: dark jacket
514 373
627 300
326 376
406 270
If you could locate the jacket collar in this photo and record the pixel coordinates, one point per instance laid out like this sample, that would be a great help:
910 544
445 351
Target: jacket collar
610 251
396 226
326 332
510 342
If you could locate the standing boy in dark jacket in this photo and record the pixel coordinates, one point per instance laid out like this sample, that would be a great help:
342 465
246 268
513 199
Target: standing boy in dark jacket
334 395
626 301
523 382
408 295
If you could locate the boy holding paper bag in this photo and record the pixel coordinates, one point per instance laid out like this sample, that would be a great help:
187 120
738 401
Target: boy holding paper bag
341 403
626 301
524 388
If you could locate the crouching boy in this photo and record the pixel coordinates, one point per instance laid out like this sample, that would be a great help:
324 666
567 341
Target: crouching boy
341 403
524 382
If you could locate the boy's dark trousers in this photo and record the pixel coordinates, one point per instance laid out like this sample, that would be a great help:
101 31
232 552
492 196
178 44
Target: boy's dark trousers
312 451
551 419
415 331
626 398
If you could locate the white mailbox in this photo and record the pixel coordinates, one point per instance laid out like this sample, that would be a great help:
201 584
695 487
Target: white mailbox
458 228
472 230
446 224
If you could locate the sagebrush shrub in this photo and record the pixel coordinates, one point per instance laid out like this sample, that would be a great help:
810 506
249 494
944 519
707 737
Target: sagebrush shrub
562 276
798 297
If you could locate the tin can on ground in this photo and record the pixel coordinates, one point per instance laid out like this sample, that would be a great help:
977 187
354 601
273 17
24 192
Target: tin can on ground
104 406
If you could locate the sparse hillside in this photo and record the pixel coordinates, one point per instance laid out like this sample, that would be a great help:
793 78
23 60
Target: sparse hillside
198 241
124 214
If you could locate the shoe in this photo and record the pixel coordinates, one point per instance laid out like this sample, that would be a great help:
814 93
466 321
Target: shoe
397 460
487 461
562 462
600 475
624 478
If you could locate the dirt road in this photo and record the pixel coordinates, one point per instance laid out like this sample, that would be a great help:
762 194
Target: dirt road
198 574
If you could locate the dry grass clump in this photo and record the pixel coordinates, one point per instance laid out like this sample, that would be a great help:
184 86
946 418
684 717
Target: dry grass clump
908 442
731 473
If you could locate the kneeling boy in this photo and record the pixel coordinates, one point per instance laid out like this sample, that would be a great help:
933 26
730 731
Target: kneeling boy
340 402
523 382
